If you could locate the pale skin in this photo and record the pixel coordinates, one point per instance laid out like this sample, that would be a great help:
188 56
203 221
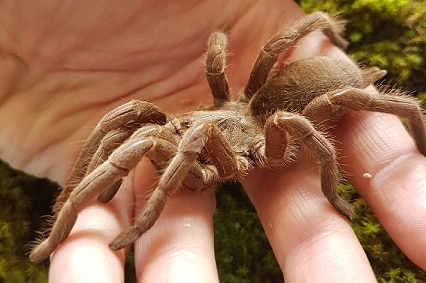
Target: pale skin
67 65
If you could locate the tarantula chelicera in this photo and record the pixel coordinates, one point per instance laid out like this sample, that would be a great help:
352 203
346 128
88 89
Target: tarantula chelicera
278 113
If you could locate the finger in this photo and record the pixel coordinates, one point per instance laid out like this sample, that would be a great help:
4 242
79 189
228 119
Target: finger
379 147
86 249
311 241
180 245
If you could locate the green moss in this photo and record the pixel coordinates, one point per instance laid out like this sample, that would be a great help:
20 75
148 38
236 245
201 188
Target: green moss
17 223
390 34
243 252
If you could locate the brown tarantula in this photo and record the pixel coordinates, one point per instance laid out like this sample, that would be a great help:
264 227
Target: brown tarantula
278 113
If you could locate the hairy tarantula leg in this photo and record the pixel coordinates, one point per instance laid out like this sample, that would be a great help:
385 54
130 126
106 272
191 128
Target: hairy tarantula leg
278 149
90 187
393 102
215 68
371 75
285 39
201 177
301 129
121 161
110 142
198 138
165 145
131 115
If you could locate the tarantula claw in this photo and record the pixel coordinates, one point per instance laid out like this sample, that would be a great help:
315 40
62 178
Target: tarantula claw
125 238
42 251
106 196
343 208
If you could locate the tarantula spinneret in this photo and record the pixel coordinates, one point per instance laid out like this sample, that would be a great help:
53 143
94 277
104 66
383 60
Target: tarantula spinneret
276 115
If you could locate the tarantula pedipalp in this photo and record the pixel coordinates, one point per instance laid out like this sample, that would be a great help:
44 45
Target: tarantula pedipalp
277 114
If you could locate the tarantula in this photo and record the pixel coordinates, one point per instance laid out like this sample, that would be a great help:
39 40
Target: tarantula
277 114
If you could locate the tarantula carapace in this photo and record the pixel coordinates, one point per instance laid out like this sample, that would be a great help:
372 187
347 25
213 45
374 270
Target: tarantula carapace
278 113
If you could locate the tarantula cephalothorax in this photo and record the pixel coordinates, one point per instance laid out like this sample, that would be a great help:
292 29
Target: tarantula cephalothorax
276 114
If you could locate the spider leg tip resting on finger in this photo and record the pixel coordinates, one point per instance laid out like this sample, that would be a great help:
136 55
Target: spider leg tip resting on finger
276 115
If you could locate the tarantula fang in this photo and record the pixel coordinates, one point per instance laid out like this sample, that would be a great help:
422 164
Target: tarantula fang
278 114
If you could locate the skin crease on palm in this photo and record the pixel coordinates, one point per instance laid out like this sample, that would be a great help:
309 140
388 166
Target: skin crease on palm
64 65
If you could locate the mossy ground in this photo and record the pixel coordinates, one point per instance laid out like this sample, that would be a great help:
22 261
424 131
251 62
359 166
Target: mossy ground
390 34
23 201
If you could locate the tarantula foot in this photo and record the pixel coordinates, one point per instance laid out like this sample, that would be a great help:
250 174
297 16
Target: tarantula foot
343 208
125 238
42 251
106 196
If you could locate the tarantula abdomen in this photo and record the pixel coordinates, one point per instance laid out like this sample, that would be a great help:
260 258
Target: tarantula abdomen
300 82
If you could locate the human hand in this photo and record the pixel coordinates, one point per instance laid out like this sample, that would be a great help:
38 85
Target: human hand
110 60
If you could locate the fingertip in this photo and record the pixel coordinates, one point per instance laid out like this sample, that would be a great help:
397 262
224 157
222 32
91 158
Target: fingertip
180 245
85 254
311 240
86 258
